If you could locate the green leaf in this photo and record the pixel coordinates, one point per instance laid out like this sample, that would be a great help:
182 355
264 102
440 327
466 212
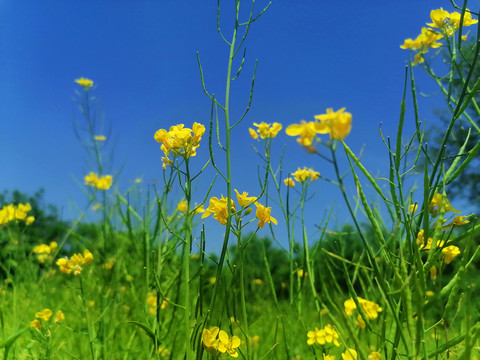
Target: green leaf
9 341
145 328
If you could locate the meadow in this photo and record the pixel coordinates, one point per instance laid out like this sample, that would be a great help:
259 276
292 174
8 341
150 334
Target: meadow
398 280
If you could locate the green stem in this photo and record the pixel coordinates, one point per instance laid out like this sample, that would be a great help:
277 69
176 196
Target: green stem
91 337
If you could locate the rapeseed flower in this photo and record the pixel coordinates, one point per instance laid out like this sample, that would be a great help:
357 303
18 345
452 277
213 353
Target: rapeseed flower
44 251
36 324
336 123
328 357
327 335
457 221
101 183
302 175
84 82
99 138
209 338
45 314
218 207
15 213
349 354
265 130
436 203
182 206
74 264
450 252
244 200
289 182
307 132
467 19
263 214
370 309
59 316
180 141
374 355
228 345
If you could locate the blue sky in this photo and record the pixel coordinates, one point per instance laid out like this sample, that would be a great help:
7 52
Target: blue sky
311 54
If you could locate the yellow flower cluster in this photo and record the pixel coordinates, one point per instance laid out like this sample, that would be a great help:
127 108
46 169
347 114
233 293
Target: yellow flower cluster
152 303
44 251
84 82
302 175
101 183
74 264
265 130
45 315
218 207
370 309
337 124
214 339
180 141
327 335
14 213
450 252
447 23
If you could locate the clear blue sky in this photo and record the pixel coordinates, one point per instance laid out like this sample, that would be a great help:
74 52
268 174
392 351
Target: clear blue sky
142 56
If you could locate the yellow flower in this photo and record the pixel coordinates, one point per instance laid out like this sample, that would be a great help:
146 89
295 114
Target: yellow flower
44 251
163 352
467 19
228 345
257 281
36 324
429 293
182 206
263 214
439 17
67 266
45 314
374 355
99 138
349 354
326 335
418 59
164 304
457 221
59 316
253 133
450 252
218 207
199 209
336 123
179 140
304 174
209 338
13 212
436 203
265 130
360 322
84 82
244 200
289 182
307 132
433 273
413 208
370 309
101 183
